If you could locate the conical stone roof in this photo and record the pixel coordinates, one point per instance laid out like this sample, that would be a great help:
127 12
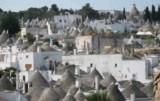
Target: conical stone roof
134 11
66 81
107 81
60 91
3 37
73 89
69 97
9 42
79 96
37 80
49 94
18 42
114 93
148 89
133 88
95 73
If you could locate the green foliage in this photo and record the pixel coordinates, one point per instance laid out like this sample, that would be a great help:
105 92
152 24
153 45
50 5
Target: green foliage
17 35
126 35
153 14
11 73
9 22
55 8
29 37
146 15
98 97
1 10
105 15
149 40
158 14
124 13
71 11
88 11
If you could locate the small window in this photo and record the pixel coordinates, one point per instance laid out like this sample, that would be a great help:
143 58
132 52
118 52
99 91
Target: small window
26 56
24 78
133 75
60 20
91 65
115 65
125 76
64 21
30 85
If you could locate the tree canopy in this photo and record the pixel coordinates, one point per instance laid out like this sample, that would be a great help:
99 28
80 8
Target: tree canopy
88 11
146 14
9 22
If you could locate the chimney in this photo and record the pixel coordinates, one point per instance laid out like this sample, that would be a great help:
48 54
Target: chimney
133 96
78 83
77 71
17 81
38 49
88 70
37 37
87 48
75 51
96 83
51 43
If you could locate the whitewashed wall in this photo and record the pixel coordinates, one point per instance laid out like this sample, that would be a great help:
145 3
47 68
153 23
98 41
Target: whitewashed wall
12 96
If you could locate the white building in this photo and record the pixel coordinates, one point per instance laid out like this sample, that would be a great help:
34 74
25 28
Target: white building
120 26
38 60
63 21
121 69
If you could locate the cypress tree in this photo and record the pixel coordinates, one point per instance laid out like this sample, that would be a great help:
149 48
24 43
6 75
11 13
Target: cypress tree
124 13
153 14
146 14
158 14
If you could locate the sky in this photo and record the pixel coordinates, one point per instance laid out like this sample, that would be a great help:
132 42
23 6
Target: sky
17 5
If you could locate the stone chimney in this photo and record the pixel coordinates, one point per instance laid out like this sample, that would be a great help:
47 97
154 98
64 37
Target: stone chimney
96 83
77 71
38 49
133 96
75 51
78 83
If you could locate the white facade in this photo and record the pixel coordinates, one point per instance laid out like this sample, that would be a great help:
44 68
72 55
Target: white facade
121 27
63 21
27 75
34 31
11 96
38 60
114 64
8 56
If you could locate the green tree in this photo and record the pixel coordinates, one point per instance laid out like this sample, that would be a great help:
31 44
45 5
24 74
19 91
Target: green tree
29 37
1 10
9 22
71 11
11 73
87 10
55 8
98 97
158 14
44 8
124 13
153 14
146 14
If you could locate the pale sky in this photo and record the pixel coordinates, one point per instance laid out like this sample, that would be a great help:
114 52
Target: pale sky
17 5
